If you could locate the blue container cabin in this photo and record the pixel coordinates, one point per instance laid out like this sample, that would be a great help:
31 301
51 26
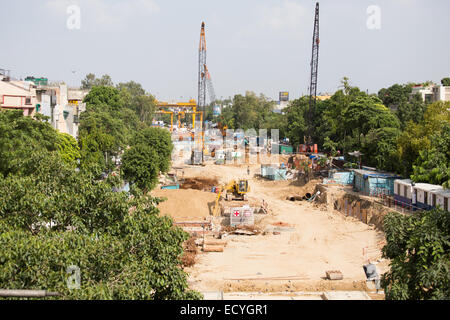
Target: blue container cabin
171 186
373 182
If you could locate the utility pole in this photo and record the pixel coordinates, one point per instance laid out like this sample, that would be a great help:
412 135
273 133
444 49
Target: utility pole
314 71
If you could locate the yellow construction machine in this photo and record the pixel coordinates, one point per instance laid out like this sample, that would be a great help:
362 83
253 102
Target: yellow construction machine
234 190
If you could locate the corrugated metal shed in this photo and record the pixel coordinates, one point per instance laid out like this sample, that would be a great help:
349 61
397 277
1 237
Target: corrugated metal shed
373 182
273 172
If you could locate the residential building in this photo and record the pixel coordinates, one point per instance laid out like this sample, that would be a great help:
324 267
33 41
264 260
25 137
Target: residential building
62 105
17 95
441 93
432 93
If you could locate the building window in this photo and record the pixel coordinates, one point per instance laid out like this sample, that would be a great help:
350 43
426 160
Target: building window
27 101
425 197
66 114
38 107
405 192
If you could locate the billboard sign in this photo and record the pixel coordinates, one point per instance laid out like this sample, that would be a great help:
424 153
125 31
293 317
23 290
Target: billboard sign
284 96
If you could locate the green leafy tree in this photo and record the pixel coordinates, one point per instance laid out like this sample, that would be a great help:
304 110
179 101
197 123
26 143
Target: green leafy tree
247 112
159 140
138 100
380 146
395 96
445 81
331 146
433 164
140 166
417 139
103 98
296 120
55 217
412 110
367 113
91 81
101 136
106 127
418 247
68 148
21 136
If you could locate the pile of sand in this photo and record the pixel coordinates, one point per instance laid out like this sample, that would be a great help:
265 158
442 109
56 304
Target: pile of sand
185 205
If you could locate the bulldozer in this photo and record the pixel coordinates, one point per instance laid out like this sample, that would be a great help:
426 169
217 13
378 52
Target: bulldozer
234 190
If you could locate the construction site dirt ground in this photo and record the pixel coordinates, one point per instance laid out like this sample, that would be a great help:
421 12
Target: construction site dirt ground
294 260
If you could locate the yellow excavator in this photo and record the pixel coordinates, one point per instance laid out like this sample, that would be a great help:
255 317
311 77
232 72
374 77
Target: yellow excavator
234 190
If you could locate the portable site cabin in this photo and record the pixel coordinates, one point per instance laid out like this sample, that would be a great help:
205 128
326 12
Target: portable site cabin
403 191
422 195
443 199
373 182
273 172
343 178
286 149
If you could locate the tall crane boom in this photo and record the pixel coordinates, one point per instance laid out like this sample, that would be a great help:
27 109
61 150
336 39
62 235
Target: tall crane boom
201 70
212 94
314 70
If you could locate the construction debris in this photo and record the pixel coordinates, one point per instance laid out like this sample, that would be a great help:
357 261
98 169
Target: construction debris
244 232
334 275
203 184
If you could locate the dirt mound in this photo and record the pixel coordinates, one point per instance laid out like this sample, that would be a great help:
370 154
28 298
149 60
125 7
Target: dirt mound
199 183
185 205
281 224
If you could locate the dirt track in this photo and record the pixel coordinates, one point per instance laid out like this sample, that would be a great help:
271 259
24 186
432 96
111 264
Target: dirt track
297 258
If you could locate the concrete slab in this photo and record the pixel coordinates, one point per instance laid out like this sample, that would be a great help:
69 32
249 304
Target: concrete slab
345 295
272 296
213 295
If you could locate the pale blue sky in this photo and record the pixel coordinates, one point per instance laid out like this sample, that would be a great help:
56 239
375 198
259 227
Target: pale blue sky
258 45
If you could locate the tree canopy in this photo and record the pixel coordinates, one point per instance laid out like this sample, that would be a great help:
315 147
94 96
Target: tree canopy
418 247
54 216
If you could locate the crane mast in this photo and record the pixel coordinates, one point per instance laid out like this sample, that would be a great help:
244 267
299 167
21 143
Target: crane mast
201 70
314 70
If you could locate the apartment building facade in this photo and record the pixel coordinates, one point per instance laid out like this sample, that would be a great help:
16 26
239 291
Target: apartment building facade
432 93
62 105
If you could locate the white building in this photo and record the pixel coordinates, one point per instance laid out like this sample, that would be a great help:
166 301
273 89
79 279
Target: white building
441 93
421 195
432 93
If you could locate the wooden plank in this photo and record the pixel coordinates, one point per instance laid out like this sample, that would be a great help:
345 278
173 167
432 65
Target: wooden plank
213 249
358 210
364 215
